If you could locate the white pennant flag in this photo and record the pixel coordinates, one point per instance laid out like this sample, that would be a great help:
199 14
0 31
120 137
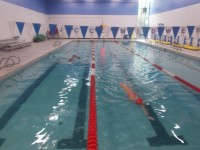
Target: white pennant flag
106 31
60 30
168 31
153 32
137 31
91 30
122 31
197 30
183 30
76 30
29 27
12 26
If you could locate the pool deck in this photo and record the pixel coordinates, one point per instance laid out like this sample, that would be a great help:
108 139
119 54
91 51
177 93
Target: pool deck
30 54
186 52
37 50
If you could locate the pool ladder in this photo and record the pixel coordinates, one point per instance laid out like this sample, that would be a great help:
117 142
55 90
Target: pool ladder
9 61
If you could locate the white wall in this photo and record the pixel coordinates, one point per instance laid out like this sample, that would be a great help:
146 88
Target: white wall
11 13
93 20
186 16
179 17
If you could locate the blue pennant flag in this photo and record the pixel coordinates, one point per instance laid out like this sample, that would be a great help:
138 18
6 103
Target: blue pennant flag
160 31
84 30
190 30
68 30
52 28
37 27
114 31
145 31
175 31
130 31
20 26
99 31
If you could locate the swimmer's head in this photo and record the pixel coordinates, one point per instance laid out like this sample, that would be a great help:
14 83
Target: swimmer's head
139 101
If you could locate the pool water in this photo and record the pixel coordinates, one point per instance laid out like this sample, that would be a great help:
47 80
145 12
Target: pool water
46 105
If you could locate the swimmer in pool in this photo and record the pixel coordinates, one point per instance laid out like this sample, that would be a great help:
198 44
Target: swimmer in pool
136 99
73 57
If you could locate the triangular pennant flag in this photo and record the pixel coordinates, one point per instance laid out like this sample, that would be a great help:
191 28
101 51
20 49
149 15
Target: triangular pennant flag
183 31
37 27
68 30
91 31
29 27
190 30
122 31
175 31
137 31
99 31
106 31
84 30
145 31
11 25
168 30
76 31
60 30
20 26
160 31
114 31
153 32
130 31
52 28
197 29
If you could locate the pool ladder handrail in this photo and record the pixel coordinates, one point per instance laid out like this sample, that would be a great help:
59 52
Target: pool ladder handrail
9 62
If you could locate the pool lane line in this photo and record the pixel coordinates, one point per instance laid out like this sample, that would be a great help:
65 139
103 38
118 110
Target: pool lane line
10 112
162 137
92 143
77 141
192 86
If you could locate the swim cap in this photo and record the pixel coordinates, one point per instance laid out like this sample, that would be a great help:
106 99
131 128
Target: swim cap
139 101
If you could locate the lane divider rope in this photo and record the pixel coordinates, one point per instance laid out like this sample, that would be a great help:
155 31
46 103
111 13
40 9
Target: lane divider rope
92 143
197 89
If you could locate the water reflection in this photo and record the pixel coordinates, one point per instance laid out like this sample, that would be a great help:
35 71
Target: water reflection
44 138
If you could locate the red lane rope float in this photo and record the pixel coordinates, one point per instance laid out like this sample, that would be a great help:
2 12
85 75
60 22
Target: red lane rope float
166 71
92 143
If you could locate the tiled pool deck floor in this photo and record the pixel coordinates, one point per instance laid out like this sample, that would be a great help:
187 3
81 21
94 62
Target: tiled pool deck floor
36 50
29 54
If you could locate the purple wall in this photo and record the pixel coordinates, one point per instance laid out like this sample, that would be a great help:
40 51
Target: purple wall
159 6
98 8
37 5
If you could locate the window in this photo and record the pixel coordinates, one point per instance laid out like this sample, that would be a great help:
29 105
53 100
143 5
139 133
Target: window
143 13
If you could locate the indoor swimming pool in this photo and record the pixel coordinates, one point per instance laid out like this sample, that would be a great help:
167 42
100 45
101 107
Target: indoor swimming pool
47 103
